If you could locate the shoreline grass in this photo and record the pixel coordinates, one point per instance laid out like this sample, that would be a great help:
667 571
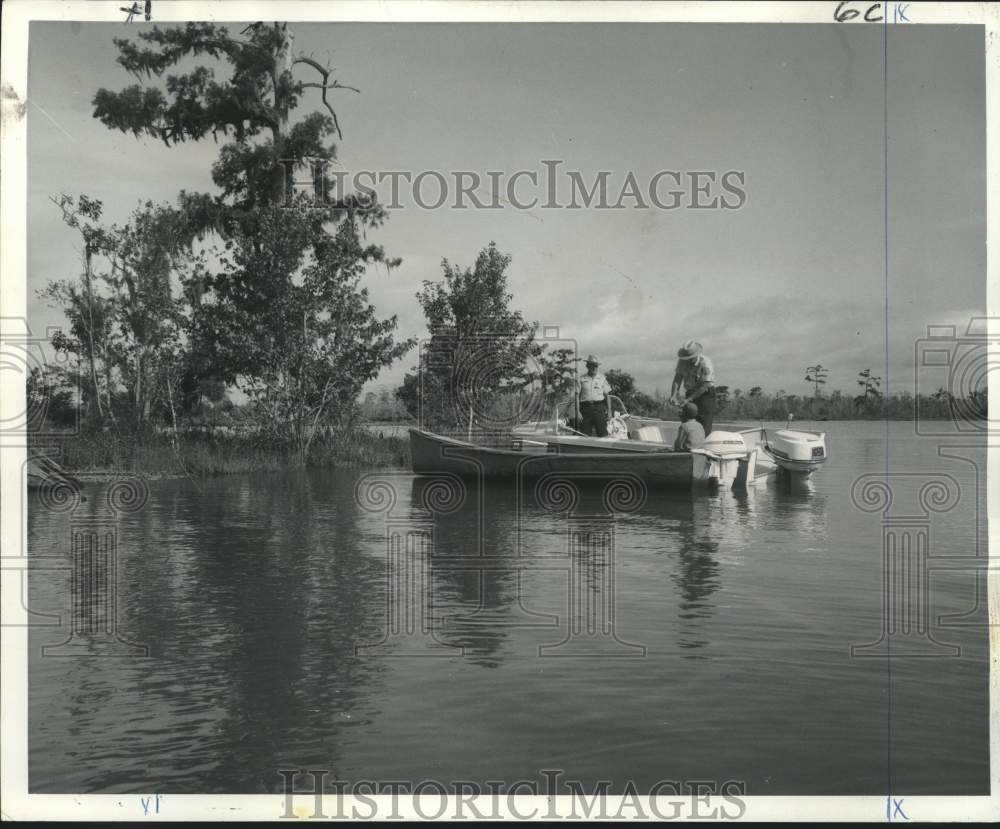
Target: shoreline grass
214 455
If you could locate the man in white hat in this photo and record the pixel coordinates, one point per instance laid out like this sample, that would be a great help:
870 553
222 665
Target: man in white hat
593 401
696 375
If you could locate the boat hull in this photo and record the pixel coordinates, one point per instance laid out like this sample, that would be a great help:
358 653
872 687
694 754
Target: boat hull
434 454
784 455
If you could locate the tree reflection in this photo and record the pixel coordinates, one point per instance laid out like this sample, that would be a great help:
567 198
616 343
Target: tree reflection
476 583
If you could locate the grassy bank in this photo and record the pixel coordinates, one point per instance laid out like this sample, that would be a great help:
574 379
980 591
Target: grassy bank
208 455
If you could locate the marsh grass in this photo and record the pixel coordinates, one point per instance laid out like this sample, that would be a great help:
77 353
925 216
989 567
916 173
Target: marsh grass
207 455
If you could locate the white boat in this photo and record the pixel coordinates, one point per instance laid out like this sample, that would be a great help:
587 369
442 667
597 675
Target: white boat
730 455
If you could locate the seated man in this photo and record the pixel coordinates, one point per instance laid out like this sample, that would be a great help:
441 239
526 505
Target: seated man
691 434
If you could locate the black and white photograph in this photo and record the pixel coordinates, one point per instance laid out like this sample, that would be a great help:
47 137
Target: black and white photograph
468 411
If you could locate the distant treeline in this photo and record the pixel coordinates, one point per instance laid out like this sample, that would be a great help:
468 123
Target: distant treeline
755 404
734 404
837 406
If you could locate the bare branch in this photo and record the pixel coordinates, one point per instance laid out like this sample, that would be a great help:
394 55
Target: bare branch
334 85
323 87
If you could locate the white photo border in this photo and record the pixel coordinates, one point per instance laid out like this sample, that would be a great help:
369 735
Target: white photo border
17 803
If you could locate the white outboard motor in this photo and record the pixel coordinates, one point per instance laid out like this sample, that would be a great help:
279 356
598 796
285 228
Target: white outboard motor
717 461
797 452
799 446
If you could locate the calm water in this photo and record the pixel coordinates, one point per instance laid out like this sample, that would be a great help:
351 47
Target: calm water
252 593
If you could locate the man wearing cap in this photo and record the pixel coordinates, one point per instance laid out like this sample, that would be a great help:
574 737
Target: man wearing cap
593 402
696 375
691 434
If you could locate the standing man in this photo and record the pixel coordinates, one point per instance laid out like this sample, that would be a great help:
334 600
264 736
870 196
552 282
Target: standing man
695 374
593 402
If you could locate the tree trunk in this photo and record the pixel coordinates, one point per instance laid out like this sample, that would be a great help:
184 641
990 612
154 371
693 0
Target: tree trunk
88 255
173 414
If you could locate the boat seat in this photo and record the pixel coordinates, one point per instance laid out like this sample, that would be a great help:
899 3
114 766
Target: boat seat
652 434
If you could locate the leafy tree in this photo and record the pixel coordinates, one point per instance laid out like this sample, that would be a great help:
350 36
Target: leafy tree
294 326
721 397
554 373
49 393
198 391
479 348
637 402
644 404
283 316
622 383
755 391
124 319
408 394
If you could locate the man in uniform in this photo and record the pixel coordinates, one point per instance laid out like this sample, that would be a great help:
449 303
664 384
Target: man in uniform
593 402
696 375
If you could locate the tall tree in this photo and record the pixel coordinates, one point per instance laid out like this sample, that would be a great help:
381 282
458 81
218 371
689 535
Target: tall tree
817 376
253 106
87 312
870 385
250 319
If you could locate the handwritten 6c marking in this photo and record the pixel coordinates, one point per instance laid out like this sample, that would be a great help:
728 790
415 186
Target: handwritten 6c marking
842 15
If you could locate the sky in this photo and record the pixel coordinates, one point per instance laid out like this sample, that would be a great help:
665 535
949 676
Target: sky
796 276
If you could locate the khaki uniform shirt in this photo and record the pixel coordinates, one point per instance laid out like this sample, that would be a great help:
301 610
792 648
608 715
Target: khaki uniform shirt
592 389
693 373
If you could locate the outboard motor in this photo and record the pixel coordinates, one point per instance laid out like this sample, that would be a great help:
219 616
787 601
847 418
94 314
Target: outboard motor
718 459
725 444
799 453
799 446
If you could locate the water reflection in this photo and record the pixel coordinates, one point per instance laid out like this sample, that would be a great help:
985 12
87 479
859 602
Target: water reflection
253 593
251 599
253 596
476 583
490 548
